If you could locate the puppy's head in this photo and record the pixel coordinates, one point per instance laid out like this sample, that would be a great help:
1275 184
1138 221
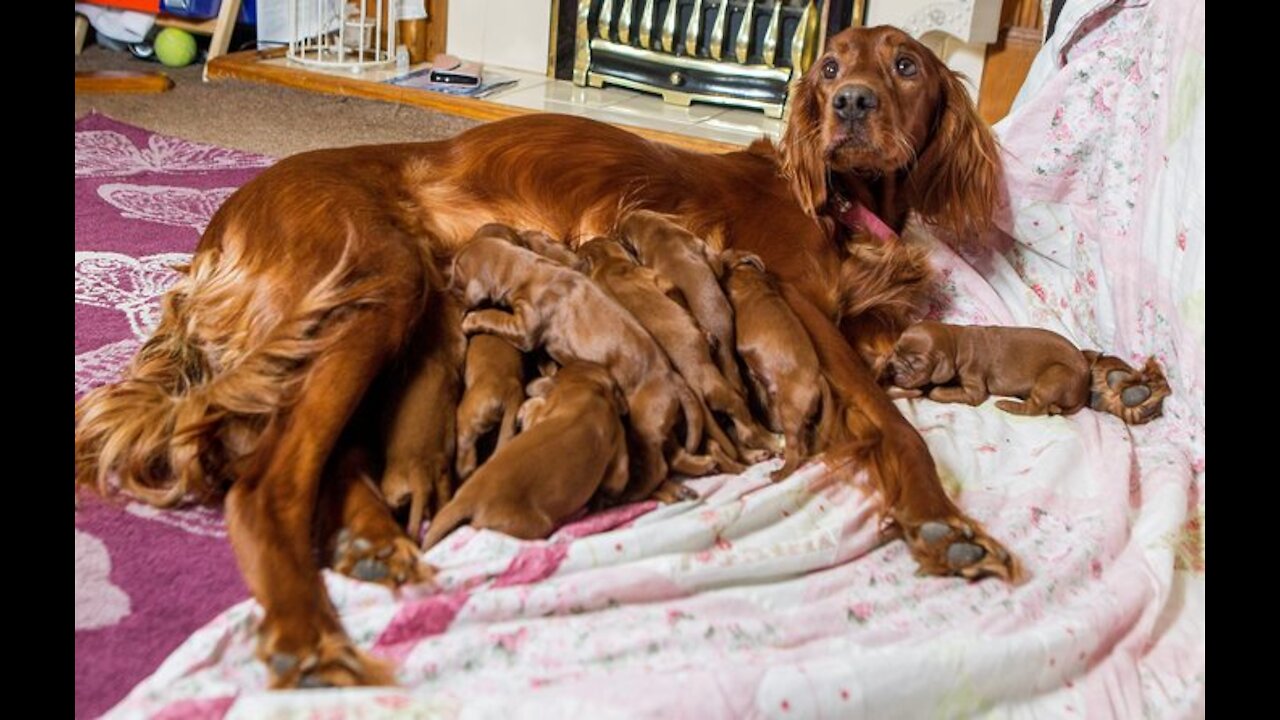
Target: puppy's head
549 248
917 360
601 250
498 231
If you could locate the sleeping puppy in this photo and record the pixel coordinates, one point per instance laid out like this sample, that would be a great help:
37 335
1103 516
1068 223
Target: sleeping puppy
572 444
639 290
564 312
969 363
420 434
782 364
692 269
494 379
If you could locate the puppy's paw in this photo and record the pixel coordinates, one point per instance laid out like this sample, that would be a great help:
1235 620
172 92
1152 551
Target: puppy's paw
393 560
672 492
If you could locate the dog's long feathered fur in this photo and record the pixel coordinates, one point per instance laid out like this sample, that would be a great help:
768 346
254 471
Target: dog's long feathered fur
310 279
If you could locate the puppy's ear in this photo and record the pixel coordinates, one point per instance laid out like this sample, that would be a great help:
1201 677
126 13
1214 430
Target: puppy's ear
714 260
499 231
881 367
452 282
944 367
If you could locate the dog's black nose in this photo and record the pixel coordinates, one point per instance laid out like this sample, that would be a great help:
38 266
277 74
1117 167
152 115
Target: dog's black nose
854 102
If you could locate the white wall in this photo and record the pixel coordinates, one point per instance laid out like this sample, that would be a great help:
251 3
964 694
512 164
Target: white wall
514 33
958 31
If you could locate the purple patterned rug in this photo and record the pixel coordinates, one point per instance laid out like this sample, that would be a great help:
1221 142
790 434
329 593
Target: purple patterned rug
145 580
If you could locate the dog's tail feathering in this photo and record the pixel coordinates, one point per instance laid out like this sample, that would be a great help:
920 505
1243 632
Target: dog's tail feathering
221 365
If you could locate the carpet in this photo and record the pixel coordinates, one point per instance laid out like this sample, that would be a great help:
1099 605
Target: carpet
145 579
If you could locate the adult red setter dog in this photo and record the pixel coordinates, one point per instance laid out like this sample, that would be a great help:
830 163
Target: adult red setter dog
312 281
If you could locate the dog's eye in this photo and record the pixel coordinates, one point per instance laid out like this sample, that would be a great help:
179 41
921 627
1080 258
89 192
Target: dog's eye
830 69
905 66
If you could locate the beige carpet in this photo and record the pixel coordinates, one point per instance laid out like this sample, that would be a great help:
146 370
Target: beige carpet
260 118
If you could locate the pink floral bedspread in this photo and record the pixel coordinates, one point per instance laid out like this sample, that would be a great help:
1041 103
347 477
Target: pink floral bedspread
780 600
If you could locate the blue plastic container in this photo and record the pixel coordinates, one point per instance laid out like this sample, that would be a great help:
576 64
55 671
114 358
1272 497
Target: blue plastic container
205 9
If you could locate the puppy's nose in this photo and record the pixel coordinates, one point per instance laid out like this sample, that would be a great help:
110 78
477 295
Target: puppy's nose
854 102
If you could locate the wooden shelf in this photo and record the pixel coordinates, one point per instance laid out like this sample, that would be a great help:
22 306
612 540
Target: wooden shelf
219 28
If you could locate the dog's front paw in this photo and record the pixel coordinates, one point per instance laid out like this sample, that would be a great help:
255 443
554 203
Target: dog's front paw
299 657
958 546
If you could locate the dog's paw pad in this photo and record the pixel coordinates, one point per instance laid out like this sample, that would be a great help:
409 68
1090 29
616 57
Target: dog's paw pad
959 547
1135 395
962 554
392 561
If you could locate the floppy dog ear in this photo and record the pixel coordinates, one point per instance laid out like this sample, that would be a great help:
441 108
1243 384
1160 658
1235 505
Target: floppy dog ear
712 258
956 182
944 368
801 146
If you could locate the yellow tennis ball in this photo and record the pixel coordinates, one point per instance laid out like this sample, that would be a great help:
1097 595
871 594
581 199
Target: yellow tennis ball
175 47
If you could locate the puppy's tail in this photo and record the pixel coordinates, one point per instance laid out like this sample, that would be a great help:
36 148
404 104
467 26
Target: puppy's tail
697 413
829 425
507 430
456 513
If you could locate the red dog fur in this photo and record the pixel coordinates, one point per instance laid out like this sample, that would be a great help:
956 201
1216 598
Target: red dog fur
641 291
494 393
314 277
969 363
782 365
561 310
572 443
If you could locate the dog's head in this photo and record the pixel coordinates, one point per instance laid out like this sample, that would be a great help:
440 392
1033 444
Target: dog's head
877 103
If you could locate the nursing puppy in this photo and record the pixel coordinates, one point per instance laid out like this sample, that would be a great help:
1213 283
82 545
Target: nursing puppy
420 435
782 365
640 291
571 445
494 378
563 311
692 269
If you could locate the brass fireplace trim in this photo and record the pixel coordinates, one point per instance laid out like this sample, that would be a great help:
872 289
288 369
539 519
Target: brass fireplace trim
648 62
684 99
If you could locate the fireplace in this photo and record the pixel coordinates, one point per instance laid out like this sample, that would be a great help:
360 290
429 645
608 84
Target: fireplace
741 53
